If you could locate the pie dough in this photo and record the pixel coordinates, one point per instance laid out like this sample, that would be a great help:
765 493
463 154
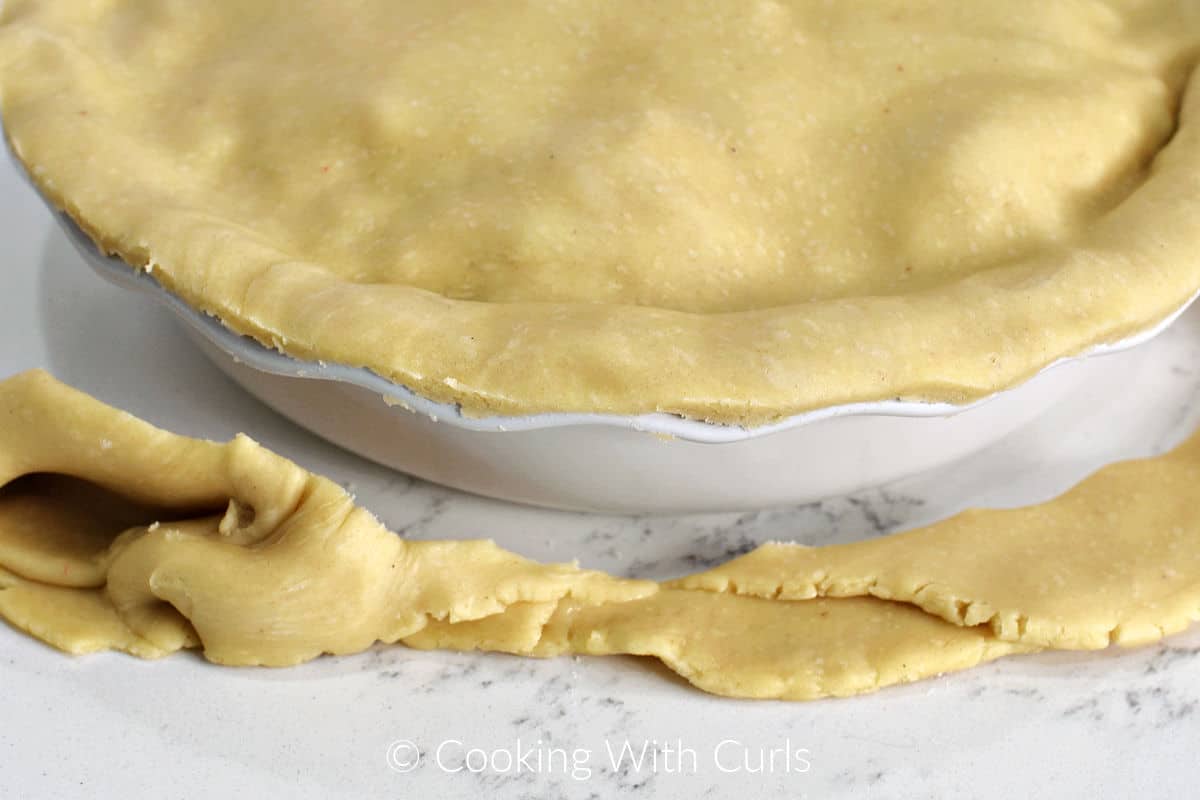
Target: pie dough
244 554
1114 560
731 211
751 648
117 535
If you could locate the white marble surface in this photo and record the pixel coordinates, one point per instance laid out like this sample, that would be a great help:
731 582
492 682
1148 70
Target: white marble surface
1111 724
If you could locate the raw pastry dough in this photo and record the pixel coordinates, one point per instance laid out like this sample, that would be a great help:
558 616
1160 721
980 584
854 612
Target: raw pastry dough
274 566
278 566
729 210
114 534
748 648
1116 559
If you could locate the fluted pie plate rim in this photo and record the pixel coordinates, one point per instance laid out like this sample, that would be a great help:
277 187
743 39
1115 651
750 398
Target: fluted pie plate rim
247 350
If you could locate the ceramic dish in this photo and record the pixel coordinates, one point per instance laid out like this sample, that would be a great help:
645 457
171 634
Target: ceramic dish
596 462
794 248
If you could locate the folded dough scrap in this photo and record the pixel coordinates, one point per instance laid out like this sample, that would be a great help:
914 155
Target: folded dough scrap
751 647
1114 560
238 550
117 535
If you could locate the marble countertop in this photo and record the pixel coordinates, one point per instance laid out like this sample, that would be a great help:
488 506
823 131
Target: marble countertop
1109 724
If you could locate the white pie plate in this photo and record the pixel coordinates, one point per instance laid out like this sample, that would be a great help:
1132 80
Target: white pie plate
597 462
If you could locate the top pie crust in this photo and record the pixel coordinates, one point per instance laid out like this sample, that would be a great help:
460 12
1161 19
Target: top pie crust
730 211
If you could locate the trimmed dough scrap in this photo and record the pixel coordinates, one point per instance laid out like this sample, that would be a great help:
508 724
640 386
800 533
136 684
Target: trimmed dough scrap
277 566
1114 560
114 534
755 648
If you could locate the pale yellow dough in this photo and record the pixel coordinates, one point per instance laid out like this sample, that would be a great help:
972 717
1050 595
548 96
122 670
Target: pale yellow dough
276 566
747 648
728 210
117 535
1114 560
